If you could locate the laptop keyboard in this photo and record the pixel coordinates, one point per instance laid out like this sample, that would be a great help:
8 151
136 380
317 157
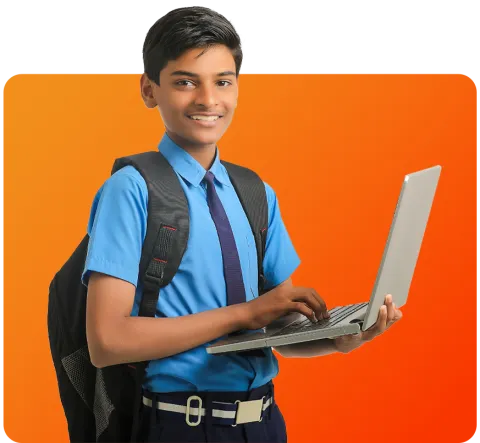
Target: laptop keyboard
337 314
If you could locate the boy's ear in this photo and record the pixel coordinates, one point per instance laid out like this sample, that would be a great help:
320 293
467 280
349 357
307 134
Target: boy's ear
146 89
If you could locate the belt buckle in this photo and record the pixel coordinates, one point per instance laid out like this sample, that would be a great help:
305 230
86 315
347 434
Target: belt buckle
187 417
249 411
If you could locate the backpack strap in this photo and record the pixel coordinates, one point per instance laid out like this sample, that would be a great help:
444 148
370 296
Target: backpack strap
253 197
164 245
167 225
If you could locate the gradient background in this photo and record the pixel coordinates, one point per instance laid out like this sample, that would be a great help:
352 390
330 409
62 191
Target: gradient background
335 148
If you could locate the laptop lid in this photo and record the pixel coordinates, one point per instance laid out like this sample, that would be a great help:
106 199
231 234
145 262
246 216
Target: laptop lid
404 240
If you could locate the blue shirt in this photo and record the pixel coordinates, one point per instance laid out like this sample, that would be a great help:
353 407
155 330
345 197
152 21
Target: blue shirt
117 228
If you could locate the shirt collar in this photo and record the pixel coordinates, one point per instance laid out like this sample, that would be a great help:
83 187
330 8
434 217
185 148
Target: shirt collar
189 168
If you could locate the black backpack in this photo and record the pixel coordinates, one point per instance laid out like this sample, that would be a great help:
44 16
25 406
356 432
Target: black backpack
104 404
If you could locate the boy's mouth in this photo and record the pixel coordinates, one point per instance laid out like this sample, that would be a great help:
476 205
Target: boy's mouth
206 118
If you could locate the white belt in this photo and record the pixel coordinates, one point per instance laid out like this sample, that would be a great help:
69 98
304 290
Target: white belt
247 411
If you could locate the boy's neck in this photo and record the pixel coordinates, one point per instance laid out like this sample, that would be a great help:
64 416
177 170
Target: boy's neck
204 154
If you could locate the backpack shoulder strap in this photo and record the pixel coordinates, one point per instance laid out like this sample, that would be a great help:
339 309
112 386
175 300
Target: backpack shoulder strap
253 197
167 225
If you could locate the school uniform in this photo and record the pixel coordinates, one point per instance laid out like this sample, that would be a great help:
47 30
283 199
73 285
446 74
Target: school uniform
117 228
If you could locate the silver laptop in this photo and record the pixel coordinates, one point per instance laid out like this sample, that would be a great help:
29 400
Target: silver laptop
394 277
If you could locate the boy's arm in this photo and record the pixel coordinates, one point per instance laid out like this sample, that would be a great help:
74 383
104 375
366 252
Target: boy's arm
316 348
115 337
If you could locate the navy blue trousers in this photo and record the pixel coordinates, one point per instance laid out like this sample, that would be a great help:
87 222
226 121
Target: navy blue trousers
164 426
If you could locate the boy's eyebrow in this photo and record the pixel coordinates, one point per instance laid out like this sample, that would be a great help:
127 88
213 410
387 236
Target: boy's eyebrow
224 73
192 74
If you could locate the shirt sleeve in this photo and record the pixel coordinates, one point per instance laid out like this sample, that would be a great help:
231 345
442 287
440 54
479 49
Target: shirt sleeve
281 259
117 227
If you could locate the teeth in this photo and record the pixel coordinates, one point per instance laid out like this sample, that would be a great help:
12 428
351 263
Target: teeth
208 118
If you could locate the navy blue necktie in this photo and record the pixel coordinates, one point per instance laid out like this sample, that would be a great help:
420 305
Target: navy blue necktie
231 261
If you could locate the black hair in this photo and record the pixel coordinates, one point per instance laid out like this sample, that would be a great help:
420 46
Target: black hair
183 29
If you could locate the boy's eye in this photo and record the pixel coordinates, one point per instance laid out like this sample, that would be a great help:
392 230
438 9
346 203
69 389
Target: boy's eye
184 83
225 83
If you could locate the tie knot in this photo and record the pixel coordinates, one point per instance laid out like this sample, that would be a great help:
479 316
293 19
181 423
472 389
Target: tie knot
209 177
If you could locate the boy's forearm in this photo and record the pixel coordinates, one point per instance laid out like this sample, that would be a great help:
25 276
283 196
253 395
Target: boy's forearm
146 338
315 348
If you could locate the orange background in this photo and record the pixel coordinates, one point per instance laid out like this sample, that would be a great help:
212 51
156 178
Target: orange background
335 148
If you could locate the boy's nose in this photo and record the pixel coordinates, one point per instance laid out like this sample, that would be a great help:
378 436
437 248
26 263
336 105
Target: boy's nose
206 96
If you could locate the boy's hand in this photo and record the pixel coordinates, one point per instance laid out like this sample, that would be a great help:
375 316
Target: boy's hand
281 301
387 316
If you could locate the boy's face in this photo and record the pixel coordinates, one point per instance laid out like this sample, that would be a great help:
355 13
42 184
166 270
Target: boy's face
191 86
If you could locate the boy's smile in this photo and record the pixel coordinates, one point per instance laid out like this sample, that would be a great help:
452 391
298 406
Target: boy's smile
204 119
196 97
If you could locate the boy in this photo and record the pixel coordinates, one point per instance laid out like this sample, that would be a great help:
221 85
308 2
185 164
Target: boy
192 59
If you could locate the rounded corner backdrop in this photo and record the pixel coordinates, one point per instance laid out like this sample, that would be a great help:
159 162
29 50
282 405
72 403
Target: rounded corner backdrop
335 148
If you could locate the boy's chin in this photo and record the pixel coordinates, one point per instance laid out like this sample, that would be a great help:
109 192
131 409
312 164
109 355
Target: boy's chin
204 139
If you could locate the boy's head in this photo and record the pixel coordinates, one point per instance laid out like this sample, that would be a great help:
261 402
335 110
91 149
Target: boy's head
192 58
